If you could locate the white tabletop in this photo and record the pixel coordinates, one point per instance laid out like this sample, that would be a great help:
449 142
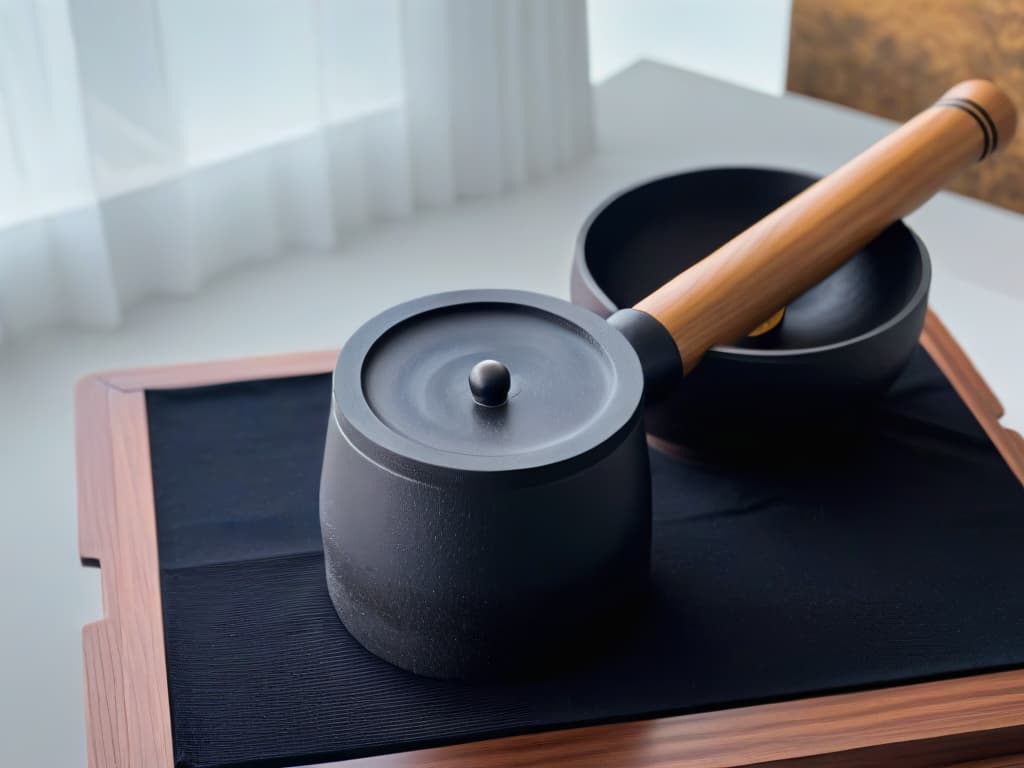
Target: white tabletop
651 120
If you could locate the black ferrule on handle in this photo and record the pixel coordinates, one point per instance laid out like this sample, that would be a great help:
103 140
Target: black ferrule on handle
659 356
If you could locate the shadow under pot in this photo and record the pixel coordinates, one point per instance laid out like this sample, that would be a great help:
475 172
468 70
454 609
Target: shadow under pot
817 374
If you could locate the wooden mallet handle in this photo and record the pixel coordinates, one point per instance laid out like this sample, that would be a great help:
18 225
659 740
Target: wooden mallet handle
724 296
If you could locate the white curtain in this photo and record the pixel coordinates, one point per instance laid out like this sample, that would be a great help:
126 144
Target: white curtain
147 145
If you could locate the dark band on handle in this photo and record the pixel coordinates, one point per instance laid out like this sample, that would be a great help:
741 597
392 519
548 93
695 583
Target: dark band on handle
981 117
659 356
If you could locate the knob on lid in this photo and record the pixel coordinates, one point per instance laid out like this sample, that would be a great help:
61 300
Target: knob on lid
489 382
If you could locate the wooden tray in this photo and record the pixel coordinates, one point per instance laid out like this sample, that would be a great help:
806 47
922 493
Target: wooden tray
126 697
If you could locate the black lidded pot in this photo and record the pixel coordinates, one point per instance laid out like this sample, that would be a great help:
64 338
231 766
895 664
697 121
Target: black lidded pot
468 534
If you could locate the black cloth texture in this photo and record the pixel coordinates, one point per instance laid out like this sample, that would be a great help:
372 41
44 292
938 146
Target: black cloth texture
893 558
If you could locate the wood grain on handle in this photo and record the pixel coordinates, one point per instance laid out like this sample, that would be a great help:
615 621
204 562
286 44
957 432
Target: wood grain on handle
728 293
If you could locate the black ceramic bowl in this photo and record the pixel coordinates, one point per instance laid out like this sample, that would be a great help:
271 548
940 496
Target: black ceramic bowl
839 347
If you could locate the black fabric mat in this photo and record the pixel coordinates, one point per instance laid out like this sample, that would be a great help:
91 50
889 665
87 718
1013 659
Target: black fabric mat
898 559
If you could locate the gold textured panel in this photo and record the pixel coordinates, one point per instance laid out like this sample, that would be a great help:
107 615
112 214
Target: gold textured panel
895 57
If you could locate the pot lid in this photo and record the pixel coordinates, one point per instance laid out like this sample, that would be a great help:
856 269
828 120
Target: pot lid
486 380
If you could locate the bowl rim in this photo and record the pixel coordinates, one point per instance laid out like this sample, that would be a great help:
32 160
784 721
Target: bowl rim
728 351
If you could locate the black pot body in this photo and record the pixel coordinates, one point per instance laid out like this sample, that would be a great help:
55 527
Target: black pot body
465 541
840 346
483 579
